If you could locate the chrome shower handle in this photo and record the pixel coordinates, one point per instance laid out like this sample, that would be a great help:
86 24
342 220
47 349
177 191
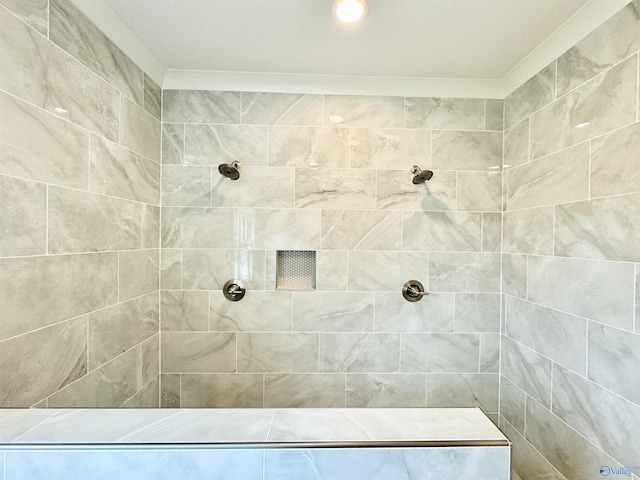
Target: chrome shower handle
413 291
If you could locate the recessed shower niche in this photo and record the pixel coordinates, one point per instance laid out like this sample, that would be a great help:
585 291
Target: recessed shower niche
296 270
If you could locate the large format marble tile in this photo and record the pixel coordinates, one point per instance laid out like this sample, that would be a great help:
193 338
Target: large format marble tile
383 390
198 352
299 390
139 130
558 178
34 12
173 136
448 390
597 290
152 97
73 32
41 147
146 397
221 390
209 269
489 352
529 231
116 329
170 269
331 270
308 147
150 358
527 460
170 390
121 173
531 96
333 311
23 220
464 272
491 232
359 352
186 186
440 352
150 225
479 191
514 275
610 43
256 187
516 144
441 231
361 230
184 227
527 369
603 104
605 228
87 222
477 312
139 273
613 167
395 191
602 417
278 229
614 356
494 114
556 335
57 356
365 111
434 313
480 463
216 144
464 150
512 404
108 386
259 311
200 106
282 109
39 291
46 76
390 148
444 113
278 352
385 270
567 450
129 465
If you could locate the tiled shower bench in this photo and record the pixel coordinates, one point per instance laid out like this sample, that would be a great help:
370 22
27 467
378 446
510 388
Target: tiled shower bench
248 444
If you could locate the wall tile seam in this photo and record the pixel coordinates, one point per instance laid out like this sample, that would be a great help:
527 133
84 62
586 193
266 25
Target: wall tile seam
560 475
156 377
60 322
570 428
545 357
574 315
103 195
557 98
577 259
137 345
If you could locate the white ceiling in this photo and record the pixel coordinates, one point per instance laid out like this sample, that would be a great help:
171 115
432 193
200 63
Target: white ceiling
294 45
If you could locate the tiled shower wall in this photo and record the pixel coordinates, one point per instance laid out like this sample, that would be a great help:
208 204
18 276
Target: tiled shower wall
79 222
571 347
343 190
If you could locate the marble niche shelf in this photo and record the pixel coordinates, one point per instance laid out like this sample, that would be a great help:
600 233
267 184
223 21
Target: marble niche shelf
248 444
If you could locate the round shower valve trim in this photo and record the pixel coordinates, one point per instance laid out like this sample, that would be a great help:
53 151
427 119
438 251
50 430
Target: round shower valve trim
234 290
413 291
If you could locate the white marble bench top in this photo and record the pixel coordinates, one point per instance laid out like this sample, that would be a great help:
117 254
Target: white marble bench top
247 426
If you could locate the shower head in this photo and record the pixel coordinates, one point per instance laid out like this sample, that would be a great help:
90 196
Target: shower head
230 170
420 176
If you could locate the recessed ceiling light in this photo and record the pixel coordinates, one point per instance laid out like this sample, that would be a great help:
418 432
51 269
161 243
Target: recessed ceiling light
350 10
